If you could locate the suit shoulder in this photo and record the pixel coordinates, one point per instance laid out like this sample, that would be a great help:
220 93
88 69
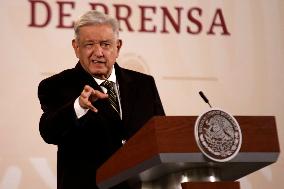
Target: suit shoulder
137 75
59 78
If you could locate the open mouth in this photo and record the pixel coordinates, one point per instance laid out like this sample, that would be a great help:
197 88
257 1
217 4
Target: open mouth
98 62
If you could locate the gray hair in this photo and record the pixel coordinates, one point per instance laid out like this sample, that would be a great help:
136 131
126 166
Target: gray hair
94 17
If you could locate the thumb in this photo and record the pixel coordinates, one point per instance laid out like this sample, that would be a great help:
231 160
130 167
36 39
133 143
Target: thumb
98 95
101 95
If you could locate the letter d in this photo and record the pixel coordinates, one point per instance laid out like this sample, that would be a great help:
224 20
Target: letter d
35 4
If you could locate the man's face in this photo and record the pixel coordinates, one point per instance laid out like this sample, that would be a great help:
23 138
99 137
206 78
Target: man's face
97 48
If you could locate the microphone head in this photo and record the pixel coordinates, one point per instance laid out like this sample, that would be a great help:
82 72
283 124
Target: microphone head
203 97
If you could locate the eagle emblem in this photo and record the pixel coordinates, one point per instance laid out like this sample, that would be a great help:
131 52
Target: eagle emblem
218 135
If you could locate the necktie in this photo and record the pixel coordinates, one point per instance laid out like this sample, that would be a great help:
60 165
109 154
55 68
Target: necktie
111 95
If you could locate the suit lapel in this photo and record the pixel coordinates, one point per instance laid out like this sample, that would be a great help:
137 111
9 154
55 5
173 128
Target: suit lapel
85 78
127 91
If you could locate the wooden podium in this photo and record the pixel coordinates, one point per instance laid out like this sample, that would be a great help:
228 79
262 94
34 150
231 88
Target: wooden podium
164 151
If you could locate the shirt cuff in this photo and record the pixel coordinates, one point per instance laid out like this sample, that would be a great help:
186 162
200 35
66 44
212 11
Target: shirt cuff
78 109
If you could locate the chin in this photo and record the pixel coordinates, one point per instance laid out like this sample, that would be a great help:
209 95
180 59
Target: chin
98 70
99 74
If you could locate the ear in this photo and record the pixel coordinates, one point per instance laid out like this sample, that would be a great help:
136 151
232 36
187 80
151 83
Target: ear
75 47
118 46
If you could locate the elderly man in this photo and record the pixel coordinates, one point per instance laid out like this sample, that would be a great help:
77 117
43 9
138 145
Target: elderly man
90 109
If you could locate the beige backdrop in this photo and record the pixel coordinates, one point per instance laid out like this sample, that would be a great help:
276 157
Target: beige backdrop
241 73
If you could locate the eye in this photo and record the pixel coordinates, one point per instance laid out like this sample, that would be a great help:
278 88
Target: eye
105 44
88 45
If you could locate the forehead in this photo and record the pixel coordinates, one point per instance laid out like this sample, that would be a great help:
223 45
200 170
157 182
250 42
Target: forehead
96 32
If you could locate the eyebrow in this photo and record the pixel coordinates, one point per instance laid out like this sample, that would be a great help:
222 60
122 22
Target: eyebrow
107 40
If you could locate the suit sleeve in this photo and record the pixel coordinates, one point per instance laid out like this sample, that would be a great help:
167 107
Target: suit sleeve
58 116
158 107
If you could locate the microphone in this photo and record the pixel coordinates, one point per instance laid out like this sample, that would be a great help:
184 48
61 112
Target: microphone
204 98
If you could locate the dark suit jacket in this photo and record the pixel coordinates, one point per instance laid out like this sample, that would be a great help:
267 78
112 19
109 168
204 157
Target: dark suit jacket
85 143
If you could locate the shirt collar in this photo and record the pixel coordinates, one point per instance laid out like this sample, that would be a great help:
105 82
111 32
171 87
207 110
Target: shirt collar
112 77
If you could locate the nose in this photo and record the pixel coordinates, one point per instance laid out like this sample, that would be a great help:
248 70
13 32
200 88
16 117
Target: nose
98 51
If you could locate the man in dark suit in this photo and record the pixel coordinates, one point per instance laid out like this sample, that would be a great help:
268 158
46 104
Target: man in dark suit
89 110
